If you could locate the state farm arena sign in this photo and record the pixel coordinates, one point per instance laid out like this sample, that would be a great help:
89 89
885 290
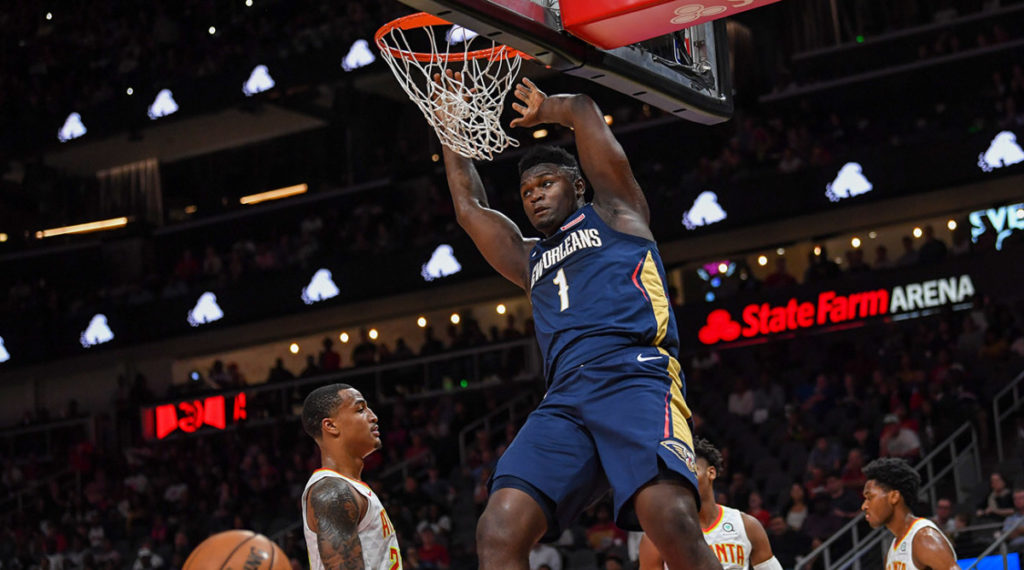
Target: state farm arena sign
898 302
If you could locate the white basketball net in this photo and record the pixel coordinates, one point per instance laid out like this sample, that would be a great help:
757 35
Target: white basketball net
466 114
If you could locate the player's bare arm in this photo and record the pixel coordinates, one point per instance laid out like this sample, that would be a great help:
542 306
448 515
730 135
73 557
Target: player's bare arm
495 235
335 510
761 548
617 196
648 555
930 550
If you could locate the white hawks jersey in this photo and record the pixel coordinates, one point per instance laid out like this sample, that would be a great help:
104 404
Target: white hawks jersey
901 551
727 538
376 533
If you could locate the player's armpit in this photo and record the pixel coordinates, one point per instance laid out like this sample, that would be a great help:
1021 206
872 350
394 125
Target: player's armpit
337 511
930 550
761 548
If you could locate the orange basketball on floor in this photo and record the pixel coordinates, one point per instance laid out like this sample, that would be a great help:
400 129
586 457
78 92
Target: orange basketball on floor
237 550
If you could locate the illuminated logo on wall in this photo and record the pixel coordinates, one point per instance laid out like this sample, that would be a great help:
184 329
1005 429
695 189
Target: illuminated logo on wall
1003 151
98 332
458 34
4 355
72 129
705 211
1002 220
258 82
442 264
849 182
190 416
163 105
830 308
359 55
321 287
205 311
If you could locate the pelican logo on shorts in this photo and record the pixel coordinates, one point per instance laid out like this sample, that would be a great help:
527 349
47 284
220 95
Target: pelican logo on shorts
680 450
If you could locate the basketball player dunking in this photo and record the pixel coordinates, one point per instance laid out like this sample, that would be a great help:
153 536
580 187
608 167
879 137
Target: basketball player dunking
737 539
919 543
614 412
344 522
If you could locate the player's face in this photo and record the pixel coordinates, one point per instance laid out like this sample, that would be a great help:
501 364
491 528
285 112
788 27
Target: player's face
357 421
878 504
706 475
549 195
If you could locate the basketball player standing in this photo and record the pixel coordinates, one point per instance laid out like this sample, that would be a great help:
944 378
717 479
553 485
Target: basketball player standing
614 414
919 543
737 539
344 522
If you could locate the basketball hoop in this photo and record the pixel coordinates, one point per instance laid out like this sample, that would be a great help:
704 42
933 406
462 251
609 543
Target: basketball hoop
465 113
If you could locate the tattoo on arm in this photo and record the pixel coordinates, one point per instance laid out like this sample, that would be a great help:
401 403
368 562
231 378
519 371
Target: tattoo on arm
337 515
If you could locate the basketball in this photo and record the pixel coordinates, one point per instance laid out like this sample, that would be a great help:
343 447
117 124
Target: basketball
237 549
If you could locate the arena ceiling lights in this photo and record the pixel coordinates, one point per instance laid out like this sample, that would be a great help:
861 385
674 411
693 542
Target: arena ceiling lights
704 212
285 192
101 225
98 332
4 355
321 288
258 82
206 310
359 55
163 105
442 263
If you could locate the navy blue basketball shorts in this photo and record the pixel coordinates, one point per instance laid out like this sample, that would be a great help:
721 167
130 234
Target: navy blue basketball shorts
619 421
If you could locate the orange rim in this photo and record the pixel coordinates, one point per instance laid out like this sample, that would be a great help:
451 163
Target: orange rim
425 20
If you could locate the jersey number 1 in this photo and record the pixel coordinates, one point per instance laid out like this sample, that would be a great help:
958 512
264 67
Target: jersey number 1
563 289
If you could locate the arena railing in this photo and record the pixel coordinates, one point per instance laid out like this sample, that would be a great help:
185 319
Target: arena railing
1001 538
1013 391
957 458
509 412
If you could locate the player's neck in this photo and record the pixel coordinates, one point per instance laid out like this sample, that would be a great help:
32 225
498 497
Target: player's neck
347 465
900 522
709 512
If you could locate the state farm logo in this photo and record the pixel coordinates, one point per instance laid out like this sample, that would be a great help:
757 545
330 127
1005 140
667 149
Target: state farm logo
720 327
831 308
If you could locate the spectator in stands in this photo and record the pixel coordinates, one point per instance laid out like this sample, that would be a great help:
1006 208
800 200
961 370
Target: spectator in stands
845 502
278 373
822 522
999 501
432 554
213 267
787 543
852 473
431 344
1014 523
825 455
330 360
187 268
311 369
898 440
603 536
755 508
795 511
741 399
545 555
932 250
909 256
365 353
944 516
780 277
819 266
882 260
769 399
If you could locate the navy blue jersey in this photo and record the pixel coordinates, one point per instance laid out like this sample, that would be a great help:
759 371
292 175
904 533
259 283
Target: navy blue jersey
596 290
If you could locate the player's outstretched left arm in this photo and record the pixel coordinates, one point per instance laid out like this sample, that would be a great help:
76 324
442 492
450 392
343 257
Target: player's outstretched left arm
761 555
616 191
336 510
931 550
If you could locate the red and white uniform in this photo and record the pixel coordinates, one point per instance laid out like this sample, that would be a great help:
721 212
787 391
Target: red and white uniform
376 533
727 538
901 552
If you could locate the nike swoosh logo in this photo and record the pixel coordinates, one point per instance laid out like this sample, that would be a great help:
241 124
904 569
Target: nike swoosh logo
640 358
